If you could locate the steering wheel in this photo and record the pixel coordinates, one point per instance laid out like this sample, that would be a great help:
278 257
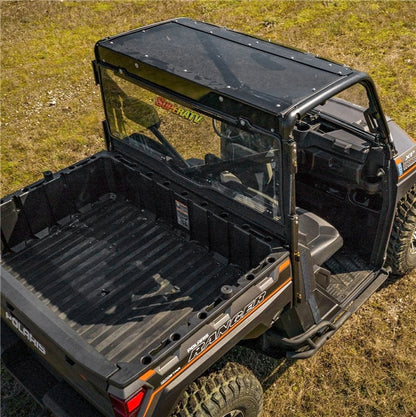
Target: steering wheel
228 131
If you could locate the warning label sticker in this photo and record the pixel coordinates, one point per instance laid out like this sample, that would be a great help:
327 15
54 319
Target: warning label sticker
182 214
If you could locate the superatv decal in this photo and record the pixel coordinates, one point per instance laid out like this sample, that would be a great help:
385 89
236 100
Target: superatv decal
25 333
175 109
208 341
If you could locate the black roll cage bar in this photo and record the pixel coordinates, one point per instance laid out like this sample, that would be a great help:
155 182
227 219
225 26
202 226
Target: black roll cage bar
298 111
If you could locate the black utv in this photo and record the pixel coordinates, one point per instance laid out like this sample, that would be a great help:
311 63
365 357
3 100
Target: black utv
249 193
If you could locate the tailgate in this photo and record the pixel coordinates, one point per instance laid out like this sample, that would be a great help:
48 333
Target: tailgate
55 343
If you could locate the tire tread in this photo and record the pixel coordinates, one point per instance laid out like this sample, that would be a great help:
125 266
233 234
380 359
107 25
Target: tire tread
401 234
212 393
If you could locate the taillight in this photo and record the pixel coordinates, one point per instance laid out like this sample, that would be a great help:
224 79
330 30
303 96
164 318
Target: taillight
129 407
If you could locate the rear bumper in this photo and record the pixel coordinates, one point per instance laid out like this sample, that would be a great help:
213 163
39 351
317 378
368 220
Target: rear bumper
52 394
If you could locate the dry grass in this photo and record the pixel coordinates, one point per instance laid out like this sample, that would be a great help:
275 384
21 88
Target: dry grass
50 118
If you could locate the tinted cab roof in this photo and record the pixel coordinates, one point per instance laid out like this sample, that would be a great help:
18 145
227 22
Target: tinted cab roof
218 67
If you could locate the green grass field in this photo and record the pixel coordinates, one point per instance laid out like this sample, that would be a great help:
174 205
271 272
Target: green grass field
51 117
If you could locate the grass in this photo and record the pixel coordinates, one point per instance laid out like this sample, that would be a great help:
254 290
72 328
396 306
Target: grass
50 118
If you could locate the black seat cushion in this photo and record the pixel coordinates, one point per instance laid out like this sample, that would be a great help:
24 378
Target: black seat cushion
319 236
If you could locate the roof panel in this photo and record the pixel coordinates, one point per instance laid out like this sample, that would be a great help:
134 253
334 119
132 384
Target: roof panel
258 72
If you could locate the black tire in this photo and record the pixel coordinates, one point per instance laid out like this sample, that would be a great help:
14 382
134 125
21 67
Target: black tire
232 391
401 252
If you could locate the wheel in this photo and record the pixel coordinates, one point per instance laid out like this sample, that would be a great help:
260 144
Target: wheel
401 252
232 391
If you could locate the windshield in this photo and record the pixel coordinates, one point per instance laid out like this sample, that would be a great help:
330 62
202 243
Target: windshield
353 106
240 164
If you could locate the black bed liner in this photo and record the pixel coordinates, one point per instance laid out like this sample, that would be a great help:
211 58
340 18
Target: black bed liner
120 278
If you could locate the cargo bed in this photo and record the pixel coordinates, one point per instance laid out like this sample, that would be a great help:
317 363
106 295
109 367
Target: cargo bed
120 278
118 265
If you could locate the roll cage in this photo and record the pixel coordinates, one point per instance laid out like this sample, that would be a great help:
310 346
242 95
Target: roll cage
247 82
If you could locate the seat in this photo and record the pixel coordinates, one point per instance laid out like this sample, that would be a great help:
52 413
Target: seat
256 175
319 236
